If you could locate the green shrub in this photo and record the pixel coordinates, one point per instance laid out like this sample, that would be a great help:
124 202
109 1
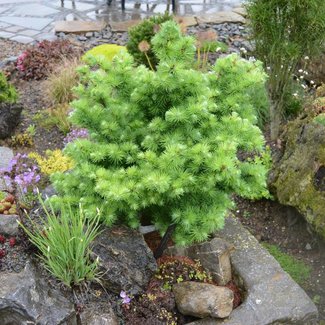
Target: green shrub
8 93
107 50
165 144
64 243
298 270
145 31
283 33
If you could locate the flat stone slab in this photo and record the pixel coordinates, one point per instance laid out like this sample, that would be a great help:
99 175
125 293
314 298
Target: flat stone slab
27 22
34 9
123 26
22 39
221 17
78 27
272 296
186 21
240 11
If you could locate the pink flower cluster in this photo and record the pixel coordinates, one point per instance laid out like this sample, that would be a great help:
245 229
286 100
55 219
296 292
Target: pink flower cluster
20 61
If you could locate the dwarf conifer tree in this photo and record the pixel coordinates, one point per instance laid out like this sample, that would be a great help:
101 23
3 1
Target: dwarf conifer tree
171 145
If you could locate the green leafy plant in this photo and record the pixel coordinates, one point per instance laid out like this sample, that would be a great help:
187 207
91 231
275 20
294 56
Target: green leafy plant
164 145
64 241
298 270
284 32
145 31
8 93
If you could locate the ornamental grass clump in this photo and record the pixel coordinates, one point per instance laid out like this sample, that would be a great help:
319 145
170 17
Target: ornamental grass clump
64 240
166 146
284 32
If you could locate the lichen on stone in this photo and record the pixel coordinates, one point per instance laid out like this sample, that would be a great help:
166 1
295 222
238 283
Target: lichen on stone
299 179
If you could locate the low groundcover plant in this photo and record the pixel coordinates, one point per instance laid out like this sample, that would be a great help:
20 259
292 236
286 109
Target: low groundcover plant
64 243
170 145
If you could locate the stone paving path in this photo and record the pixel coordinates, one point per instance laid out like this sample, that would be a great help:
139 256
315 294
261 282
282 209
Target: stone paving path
25 21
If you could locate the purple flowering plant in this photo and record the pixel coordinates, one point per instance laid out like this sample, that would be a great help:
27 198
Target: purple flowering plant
76 134
21 175
126 299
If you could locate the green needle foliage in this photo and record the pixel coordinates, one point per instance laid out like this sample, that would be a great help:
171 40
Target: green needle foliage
8 93
64 243
170 145
145 31
284 31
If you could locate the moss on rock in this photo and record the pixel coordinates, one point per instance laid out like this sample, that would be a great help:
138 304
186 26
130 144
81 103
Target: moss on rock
298 181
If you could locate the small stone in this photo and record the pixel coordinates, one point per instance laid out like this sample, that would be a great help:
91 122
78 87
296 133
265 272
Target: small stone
308 247
93 317
89 34
9 224
82 38
202 299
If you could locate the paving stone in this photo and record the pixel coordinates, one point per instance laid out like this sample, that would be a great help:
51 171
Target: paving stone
3 9
4 34
36 9
79 27
47 37
11 1
29 32
4 25
123 26
22 39
221 17
27 22
272 297
80 6
14 29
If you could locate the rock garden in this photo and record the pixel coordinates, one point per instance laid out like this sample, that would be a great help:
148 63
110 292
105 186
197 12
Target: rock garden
172 173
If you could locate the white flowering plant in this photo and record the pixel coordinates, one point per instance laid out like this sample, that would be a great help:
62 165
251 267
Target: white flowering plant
284 34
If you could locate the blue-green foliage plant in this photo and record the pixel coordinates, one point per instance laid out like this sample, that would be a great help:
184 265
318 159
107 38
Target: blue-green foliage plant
171 145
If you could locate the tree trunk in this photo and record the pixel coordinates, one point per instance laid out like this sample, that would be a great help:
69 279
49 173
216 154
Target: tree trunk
164 241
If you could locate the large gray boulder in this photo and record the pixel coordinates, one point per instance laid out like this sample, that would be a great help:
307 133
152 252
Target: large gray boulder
298 178
26 298
125 261
272 297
